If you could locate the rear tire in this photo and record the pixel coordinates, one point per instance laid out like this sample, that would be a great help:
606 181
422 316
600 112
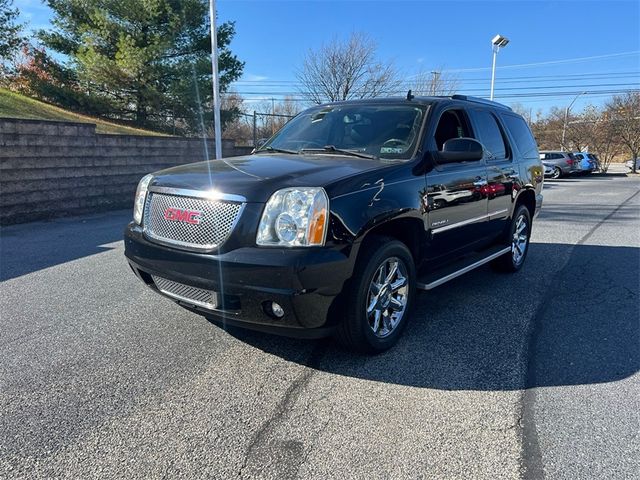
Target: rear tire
379 297
518 237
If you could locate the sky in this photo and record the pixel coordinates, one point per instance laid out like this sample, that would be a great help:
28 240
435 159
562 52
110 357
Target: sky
557 49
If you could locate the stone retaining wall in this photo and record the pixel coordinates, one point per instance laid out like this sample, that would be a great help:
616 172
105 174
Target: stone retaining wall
51 169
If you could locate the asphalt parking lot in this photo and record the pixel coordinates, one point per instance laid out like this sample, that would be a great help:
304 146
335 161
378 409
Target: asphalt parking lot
497 376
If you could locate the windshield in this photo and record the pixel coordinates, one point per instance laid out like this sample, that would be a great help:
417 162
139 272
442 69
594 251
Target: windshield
382 131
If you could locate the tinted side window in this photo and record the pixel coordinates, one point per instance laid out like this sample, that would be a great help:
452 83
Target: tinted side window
488 132
521 134
452 124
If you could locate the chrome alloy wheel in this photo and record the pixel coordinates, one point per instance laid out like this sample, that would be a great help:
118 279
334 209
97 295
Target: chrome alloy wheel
387 297
520 240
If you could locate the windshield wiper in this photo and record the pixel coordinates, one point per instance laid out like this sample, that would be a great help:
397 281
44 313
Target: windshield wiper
277 150
333 149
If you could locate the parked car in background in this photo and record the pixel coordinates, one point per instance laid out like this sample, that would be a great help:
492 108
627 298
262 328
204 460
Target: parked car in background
585 162
548 170
563 163
629 164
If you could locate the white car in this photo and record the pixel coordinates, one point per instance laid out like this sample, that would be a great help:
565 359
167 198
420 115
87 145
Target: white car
629 164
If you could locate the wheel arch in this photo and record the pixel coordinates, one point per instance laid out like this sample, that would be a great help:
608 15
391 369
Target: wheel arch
526 197
408 230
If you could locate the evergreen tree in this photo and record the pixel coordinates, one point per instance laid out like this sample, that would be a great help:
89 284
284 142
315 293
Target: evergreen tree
148 60
11 38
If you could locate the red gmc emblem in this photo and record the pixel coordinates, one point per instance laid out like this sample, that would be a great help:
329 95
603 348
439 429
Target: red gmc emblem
179 215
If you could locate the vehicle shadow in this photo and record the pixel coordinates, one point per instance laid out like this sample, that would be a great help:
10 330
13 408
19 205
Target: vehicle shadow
30 247
577 326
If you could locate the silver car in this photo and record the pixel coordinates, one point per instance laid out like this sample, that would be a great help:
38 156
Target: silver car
548 170
560 163
629 164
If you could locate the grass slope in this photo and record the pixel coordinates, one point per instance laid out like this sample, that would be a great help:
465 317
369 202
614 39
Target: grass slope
14 105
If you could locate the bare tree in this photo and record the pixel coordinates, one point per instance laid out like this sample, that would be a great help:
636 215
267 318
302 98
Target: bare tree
596 126
346 70
435 82
624 113
286 109
576 138
523 111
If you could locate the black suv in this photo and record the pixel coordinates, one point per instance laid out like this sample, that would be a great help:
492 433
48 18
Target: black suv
335 223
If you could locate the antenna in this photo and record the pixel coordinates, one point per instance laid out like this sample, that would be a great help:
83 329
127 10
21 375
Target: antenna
409 95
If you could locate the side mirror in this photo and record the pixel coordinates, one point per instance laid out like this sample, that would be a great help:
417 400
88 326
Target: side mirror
460 150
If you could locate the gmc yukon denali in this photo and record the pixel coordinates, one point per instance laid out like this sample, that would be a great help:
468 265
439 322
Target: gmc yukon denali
336 222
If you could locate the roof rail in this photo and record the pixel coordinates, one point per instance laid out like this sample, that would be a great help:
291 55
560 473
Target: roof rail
480 100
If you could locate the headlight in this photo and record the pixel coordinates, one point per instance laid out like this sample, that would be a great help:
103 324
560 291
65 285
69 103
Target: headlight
141 195
295 217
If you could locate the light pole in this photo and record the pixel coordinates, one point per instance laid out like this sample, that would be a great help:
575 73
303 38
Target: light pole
566 119
498 42
214 69
434 82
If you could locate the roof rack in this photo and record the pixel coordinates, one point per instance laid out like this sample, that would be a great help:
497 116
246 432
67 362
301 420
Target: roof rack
484 101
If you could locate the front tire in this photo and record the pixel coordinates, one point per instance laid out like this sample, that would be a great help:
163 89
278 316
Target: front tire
379 296
557 173
518 237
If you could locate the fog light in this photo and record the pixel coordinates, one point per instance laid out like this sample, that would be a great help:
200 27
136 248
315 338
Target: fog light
277 310
273 309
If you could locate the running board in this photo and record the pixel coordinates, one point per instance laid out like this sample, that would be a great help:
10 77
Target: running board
428 282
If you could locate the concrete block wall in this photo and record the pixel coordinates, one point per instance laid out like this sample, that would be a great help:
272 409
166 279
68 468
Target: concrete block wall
52 169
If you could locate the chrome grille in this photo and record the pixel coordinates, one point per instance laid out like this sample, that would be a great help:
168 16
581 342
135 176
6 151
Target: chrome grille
217 219
180 291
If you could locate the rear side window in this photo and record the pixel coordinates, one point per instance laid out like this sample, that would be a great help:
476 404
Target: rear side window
521 134
488 132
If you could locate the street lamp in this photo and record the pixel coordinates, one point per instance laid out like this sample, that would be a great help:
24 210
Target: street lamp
566 119
498 42
214 74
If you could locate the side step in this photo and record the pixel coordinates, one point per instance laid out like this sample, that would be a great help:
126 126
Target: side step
437 278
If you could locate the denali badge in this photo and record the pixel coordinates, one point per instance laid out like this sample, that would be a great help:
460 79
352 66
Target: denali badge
179 215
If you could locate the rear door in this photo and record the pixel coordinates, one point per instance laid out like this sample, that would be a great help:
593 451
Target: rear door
502 172
456 204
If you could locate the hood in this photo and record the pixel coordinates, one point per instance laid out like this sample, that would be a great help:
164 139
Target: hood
256 177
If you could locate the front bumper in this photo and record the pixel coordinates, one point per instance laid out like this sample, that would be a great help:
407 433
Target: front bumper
306 282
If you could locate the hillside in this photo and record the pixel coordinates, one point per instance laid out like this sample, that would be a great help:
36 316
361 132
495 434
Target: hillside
14 105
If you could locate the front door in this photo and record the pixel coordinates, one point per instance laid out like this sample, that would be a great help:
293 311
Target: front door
455 199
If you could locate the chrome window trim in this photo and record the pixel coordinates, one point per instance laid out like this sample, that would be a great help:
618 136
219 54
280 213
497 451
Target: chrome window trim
205 194
468 221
